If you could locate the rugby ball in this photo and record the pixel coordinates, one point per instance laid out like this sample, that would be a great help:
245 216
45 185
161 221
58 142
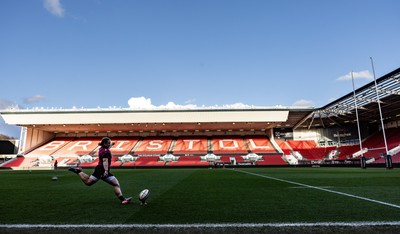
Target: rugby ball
143 195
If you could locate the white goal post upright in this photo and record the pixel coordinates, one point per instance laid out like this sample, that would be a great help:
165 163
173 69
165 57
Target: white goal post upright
362 158
388 158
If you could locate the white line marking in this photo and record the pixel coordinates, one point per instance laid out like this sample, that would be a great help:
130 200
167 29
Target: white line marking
206 225
302 187
319 188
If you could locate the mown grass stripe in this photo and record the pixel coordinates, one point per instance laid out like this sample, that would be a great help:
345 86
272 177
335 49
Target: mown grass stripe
322 189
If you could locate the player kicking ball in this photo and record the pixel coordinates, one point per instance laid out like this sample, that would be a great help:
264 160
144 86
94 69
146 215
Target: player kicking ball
102 171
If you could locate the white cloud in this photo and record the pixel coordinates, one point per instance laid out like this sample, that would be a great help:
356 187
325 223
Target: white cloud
303 102
145 103
237 105
140 103
34 99
357 75
54 7
172 105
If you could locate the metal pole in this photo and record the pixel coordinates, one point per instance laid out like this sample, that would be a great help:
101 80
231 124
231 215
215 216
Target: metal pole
388 158
379 106
362 159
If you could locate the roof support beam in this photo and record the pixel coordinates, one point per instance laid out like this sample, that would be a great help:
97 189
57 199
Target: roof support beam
334 121
389 91
312 120
367 99
303 120
322 122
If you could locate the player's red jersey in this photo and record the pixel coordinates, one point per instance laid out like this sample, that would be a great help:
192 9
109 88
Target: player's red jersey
104 153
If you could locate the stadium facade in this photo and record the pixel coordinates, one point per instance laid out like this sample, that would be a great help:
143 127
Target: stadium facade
291 131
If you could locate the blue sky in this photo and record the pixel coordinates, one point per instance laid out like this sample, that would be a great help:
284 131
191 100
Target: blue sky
191 53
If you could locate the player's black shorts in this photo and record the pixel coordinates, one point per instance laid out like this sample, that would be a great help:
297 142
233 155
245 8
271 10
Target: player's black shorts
99 172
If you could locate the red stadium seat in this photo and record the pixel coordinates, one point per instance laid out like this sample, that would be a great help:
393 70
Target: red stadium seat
145 161
189 161
272 160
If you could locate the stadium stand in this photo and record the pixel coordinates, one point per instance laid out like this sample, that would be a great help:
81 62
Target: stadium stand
272 160
116 162
66 161
228 159
228 145
16 162
347 151
260 145
395 159
78 147
153 146
309 149
189 151
188 161
50 147
286 149
22 162
186 145
376 146
90 164
145 161
122 145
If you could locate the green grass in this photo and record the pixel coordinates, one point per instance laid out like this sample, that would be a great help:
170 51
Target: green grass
180 196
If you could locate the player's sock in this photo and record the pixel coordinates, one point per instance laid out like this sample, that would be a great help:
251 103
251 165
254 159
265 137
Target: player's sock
74 170
122 198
